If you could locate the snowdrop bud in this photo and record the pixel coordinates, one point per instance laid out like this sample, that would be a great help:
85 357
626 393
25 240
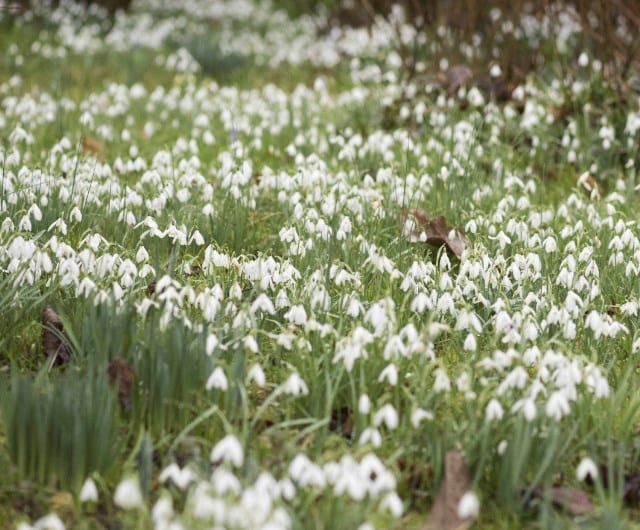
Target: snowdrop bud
256 374
128 494
212 343
364 404
583 60
89 491
586 468
469 506
470 343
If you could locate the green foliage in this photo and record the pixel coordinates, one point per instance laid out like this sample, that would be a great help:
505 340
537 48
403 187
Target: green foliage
60 430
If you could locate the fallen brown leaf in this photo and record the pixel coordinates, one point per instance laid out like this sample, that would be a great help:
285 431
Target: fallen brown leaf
54 339
456 482
91 146
457 76
122 376
571 500
589 184
433 231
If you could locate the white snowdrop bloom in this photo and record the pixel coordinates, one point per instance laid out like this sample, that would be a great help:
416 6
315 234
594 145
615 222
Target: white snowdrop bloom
529 410
89 491
583 59
295 385
392 502
371 435
557 406
263 304
468 506
442 382
306 473
128 494
387 414
586 468
296 315
224 481
49 522
494 410
364 404
250 343
228 450
390 373
207 507
470 343
180 477
418 415
495 71
211 345
162 511
502 447
256 374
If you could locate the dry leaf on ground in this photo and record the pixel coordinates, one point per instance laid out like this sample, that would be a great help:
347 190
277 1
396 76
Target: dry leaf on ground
589 184
91 146
572 500
444 512
54 339
457 76
418 227
122 376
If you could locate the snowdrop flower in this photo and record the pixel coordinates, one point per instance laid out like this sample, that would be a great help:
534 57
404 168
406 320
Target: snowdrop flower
296 315
224 482
494 410
468 506
180 477
442 382
89 491
392 502
256 374
295 385
364 404
418 415
128 494
586 468
228 450
218 380
390 373
162 511
371 435
557 406
212 343
387 414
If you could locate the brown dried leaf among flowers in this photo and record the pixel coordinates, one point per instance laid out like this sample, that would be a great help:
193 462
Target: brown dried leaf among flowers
573 501
589 184
54 339
122 376
91 146
418 227
444 512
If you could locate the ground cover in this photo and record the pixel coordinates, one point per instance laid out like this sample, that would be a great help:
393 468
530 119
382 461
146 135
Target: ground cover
266 271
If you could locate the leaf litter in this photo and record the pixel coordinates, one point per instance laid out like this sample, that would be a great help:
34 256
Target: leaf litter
418 227
444 514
